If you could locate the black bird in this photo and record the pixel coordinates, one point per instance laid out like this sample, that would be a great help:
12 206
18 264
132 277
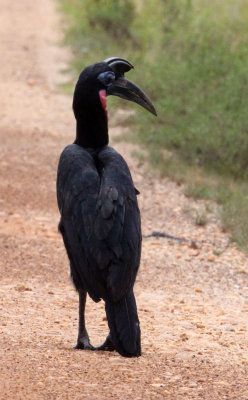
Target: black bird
100 218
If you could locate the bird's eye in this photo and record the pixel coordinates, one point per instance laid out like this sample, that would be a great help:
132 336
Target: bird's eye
106 78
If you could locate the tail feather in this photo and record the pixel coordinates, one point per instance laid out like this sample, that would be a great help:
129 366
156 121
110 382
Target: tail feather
124 326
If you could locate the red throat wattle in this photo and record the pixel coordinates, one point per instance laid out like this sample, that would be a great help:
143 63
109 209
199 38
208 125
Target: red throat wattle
103 100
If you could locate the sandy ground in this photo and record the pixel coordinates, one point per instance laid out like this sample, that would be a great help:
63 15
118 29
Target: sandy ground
192 299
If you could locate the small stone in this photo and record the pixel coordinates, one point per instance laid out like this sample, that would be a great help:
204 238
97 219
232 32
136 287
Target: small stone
184 337
51 235
22 288
193 245
199 325
30 82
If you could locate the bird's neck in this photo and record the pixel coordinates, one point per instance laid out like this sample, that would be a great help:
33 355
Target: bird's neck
92 132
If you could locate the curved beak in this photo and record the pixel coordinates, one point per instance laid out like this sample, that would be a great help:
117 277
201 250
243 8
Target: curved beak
125 89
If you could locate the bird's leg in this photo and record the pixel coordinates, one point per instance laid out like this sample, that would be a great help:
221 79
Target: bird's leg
83 341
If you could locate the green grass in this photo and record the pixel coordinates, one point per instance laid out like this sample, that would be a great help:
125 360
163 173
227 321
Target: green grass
191 57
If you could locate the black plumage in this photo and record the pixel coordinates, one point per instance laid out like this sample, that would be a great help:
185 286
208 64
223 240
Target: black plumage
100 219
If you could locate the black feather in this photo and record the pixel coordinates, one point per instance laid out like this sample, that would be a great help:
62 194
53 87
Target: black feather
100 219
124 325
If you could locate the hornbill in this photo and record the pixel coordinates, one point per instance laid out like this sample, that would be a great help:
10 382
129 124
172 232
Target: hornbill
100 218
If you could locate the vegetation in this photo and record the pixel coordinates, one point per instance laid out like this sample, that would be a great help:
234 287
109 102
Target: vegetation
192 59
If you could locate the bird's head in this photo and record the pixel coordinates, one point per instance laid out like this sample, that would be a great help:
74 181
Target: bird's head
98 81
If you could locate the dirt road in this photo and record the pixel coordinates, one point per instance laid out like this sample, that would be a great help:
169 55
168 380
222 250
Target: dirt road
192 299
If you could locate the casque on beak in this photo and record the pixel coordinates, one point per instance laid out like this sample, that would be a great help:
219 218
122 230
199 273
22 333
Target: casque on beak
125 89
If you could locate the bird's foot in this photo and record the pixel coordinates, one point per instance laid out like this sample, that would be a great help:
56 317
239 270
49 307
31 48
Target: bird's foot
107 345
83 343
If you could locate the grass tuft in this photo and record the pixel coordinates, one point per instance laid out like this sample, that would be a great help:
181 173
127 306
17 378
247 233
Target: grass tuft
192 59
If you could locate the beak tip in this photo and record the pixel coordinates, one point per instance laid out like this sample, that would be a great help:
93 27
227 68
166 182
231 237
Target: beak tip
153 110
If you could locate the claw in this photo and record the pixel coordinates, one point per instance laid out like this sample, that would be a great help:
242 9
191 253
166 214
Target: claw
81 346
84 344
107 345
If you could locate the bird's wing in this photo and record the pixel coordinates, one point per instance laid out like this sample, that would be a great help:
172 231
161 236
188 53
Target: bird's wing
100 221
78 185
117 225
